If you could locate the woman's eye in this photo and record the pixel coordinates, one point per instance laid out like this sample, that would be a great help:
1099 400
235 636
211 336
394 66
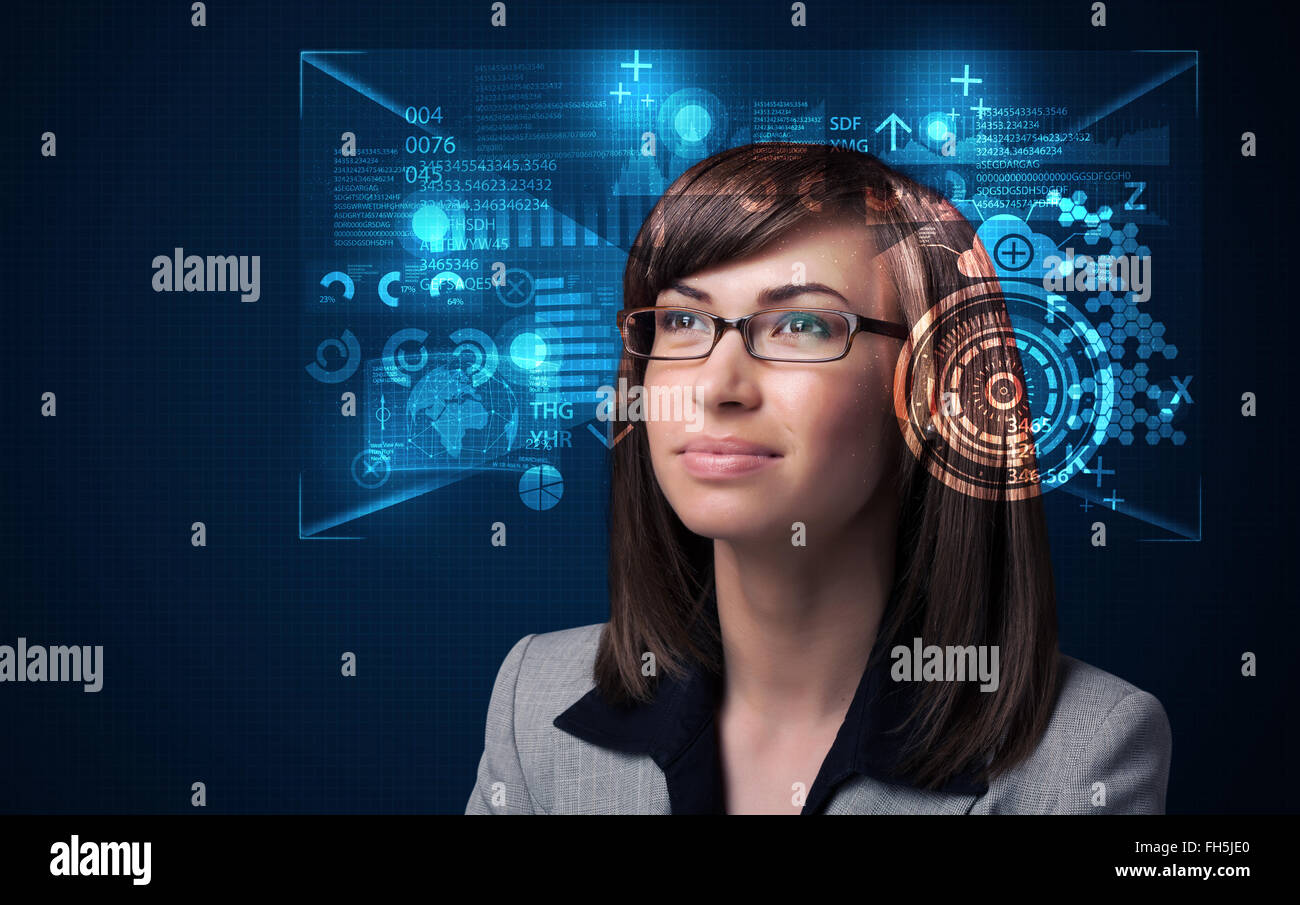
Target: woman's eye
802 324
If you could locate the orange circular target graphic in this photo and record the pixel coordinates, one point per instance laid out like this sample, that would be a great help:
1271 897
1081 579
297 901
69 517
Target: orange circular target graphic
961 400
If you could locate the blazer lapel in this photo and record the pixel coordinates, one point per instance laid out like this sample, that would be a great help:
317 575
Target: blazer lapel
868 795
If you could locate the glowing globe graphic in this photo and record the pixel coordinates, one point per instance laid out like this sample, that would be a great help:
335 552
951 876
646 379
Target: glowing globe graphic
454 422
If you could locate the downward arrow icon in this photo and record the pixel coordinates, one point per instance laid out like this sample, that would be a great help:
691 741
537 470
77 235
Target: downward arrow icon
604 437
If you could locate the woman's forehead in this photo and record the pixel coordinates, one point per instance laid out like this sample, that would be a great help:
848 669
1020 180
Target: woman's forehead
838 255
814 233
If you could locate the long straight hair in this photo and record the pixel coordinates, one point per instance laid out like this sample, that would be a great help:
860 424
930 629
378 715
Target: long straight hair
970 568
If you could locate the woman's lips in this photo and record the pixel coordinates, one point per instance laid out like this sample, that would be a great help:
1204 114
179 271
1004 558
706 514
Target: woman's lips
703 464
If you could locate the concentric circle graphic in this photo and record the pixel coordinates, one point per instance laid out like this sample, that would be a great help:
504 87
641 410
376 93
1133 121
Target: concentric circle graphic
693 123
371 469
1003 393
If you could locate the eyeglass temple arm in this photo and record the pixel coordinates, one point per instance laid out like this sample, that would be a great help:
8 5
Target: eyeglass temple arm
886 328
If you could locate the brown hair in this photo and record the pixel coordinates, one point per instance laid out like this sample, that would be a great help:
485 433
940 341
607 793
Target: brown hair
970 568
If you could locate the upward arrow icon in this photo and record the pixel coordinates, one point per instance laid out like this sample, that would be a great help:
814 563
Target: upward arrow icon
893 122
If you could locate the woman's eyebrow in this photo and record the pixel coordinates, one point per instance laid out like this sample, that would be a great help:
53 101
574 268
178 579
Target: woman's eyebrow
774 295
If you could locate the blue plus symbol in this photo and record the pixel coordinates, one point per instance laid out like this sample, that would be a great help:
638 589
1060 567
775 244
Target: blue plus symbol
1099 472
636 65
966 81
981 108
1010 249
621 93
1112 499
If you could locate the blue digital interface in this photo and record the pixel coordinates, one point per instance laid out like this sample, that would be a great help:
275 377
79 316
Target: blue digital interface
466 222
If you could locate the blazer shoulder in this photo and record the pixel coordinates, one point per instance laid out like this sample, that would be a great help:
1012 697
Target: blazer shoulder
1106 749
568 643
555 669
1087 696
540 676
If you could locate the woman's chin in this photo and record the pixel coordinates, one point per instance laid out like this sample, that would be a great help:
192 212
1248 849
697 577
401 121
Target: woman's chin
740 524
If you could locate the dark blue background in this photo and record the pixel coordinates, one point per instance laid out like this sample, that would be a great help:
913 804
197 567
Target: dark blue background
221 664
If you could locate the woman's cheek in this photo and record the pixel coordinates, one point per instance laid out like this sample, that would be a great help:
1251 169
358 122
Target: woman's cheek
659 446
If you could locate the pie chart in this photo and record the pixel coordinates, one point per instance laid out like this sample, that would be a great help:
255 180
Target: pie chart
541 487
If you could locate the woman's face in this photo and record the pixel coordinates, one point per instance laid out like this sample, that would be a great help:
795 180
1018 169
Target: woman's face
826 429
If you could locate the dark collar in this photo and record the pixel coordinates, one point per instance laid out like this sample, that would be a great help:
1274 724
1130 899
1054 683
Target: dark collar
676 729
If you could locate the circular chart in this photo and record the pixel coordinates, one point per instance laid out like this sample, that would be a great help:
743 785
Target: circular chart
541 487
370 469
1003 392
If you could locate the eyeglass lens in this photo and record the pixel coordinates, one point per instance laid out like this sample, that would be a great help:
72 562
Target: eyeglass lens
793 335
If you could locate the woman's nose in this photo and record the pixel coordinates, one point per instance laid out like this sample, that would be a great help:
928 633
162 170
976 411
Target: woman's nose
727 375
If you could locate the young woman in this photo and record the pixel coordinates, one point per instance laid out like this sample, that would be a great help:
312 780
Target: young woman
830 590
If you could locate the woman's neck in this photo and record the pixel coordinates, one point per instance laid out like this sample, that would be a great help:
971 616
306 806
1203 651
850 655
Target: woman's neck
798 622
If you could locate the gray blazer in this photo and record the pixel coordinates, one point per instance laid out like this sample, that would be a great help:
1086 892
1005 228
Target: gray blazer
1103 730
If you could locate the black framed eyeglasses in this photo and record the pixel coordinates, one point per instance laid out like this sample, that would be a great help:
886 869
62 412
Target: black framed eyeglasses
672 333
